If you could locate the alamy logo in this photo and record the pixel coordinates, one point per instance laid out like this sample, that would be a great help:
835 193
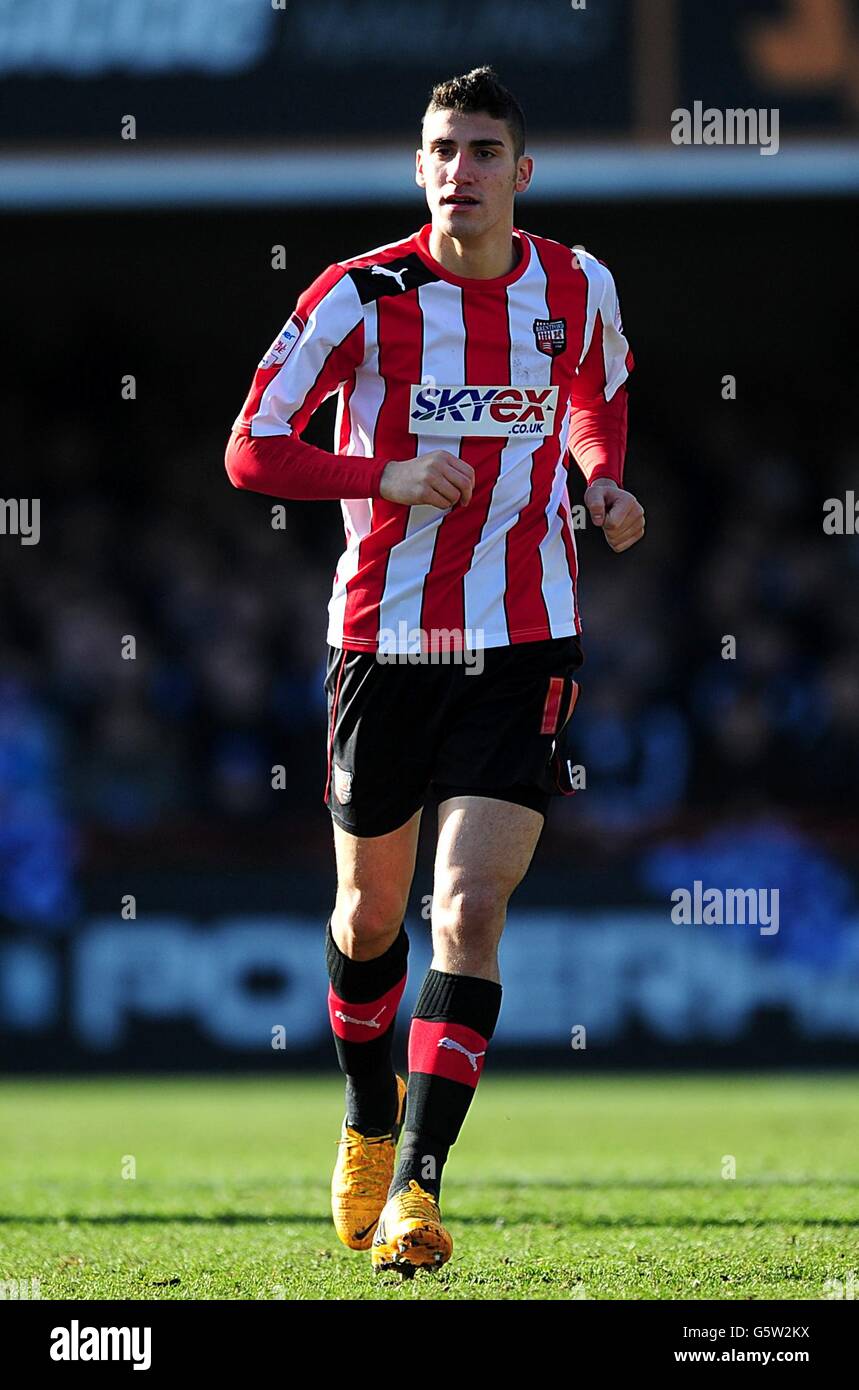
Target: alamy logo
436 646
726 907
20 1288
394 274
841 518
455 1046
20 516
76 1343
365 1022
733 126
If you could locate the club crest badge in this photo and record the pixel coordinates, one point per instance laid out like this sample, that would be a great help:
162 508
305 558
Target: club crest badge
342 784
550 335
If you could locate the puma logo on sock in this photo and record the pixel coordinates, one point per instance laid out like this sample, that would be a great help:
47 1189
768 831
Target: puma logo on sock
458 1047
367 1022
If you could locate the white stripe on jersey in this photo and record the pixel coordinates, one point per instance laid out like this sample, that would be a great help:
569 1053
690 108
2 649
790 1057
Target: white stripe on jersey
614 344
442 363
364 406
602 297
369 393
593 274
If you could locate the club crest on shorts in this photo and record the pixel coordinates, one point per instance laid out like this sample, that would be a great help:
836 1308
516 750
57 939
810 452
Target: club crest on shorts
342 784
550 335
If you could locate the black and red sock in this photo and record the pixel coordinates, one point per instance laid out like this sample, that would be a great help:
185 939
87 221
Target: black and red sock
453 1021
363 996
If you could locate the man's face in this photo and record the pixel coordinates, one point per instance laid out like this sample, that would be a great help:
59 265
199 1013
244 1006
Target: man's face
467 166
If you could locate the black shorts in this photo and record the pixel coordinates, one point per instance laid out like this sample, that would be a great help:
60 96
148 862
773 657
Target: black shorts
398 732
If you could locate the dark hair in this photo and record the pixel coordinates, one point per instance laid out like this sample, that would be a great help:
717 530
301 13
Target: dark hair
480 90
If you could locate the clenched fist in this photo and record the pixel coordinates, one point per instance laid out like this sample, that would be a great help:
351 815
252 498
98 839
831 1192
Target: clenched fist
618 513
438 479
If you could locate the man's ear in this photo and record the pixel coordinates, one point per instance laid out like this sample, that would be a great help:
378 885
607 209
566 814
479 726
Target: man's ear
524 172
420 179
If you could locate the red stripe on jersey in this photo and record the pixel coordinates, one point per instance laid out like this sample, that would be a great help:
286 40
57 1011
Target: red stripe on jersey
363 1022
524 600
315 293
590 380
552 707
487 363
446 1049
400 339
524 604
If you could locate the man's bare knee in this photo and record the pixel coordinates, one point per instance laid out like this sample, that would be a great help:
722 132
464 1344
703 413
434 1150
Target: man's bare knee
468 916
365 924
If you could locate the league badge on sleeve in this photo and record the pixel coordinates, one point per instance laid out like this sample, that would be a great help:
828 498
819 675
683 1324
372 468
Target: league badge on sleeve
284 342
551 335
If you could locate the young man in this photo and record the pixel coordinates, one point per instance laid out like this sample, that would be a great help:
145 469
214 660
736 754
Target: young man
468 357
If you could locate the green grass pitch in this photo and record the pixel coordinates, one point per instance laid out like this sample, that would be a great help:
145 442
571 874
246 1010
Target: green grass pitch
559 1187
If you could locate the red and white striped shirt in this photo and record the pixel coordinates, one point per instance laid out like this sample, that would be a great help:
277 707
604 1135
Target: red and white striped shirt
507 374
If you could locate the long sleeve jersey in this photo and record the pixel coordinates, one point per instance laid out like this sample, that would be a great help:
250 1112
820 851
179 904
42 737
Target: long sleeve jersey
510 374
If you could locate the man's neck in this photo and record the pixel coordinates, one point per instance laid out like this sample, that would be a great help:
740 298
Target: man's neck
484 260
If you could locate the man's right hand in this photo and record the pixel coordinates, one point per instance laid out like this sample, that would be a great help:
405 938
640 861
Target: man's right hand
438 479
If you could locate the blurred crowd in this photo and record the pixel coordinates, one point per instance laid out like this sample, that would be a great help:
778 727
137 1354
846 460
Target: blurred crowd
228 617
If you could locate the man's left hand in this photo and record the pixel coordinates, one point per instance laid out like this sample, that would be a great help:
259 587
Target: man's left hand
616 512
